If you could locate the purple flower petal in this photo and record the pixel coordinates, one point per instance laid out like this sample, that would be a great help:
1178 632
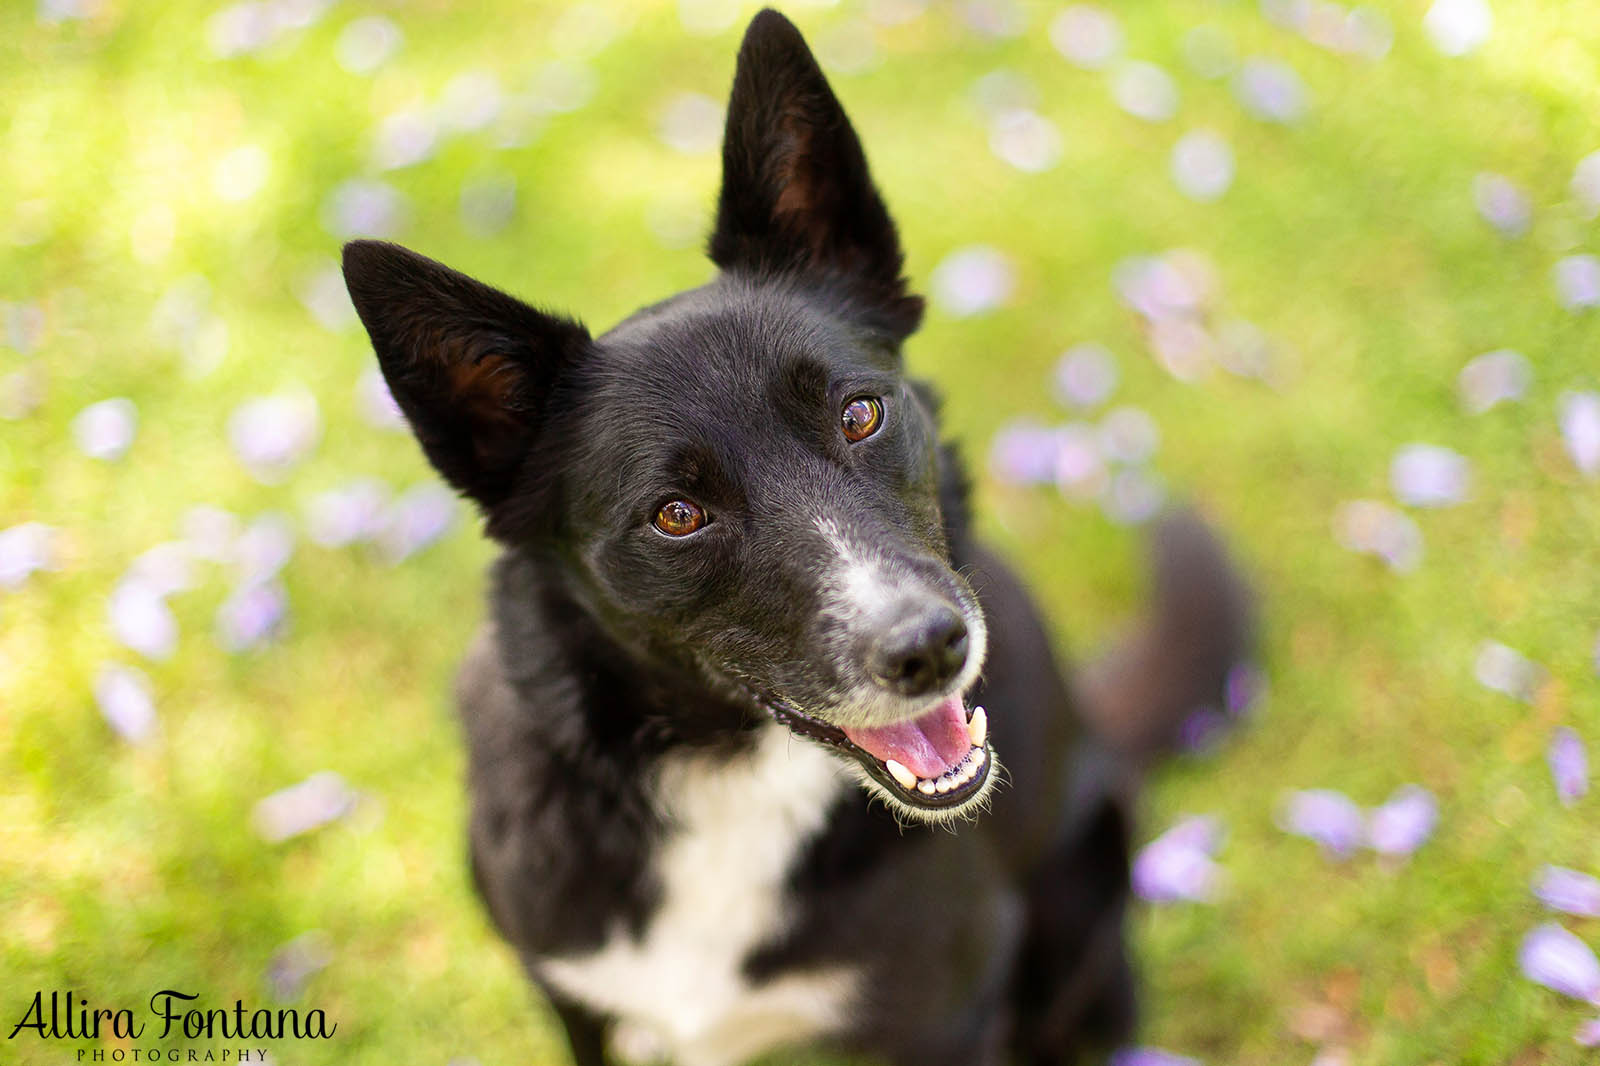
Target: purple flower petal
141 620
1428 475
1080 471
1376 528
1586 183
1502 204
1580 429
164 569
24 550
25 327
1133 496
1145 91
1243 689
1178 284
1149 1056
210 532
254 615
21 393
348 514
1508 671
972 280
364 207
471 101
1129 435
1202 730
1271 90
105 430
271 434
124 698
1577 279
1493 378
1458 26
322 292
691 123
313 803
1202 165
1086 375
1177 865
1556 959
1404 823
1086 35
418 517
1026 140
1568 891
1569 765
376 403
263 549
1588 1034
296 962
367 43
1025 453
1001 91
405 139
1328 817
1368 33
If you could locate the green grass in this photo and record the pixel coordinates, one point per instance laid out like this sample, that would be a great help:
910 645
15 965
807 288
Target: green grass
1350 237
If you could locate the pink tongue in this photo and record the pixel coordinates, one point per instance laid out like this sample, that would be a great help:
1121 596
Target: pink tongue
927 746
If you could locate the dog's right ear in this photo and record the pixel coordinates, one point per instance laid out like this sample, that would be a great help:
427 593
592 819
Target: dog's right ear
470 366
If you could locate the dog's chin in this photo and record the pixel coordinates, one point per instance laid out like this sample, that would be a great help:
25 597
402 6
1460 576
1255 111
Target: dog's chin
935 765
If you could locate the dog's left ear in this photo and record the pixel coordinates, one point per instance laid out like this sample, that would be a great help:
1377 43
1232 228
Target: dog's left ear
796 193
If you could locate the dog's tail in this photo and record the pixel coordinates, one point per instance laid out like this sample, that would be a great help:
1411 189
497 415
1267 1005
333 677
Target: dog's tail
1186 669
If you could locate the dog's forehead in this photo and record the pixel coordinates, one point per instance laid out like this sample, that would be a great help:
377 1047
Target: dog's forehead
732 337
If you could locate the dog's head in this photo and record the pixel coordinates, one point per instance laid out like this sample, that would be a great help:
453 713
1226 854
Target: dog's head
739 477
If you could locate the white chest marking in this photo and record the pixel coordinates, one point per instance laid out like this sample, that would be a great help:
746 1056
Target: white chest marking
739 827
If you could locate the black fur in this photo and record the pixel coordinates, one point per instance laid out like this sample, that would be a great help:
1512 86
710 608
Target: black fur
612 646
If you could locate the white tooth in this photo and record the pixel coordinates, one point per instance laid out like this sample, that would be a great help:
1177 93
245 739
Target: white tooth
927 788
978 756
967 771
907 779
943 784
978 727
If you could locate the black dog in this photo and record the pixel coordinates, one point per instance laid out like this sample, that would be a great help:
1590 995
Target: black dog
739 603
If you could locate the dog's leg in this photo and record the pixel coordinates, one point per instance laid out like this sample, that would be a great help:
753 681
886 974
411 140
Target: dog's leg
586 1030
1074 989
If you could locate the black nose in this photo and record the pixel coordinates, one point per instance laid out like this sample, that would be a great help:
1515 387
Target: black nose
921 652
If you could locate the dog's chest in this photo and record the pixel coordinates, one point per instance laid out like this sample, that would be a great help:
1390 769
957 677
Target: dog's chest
739 826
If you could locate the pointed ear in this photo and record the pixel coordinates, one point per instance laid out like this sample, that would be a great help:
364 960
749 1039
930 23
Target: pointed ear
796 193
470 366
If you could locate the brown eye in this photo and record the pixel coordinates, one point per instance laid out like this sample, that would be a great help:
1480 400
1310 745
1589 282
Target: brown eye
861 418
679 518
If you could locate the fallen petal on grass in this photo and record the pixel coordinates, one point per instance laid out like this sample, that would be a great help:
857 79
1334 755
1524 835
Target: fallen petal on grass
1494 378
1177 865
142 621
25 550
1430 475
1569 766
1404 823
1580 430
1508 671
124 697
105 430
1568 891
1326 816
1555 958
313 803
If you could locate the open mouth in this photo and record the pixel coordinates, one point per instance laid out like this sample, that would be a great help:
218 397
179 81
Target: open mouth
938 761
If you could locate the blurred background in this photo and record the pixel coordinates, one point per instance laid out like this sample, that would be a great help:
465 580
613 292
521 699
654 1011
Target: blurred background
1326 271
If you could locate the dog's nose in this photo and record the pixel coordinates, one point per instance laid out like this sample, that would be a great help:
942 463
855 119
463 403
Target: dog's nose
921 653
